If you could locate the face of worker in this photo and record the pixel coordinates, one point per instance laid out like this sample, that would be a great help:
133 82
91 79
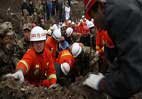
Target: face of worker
38 46
97 13
26 35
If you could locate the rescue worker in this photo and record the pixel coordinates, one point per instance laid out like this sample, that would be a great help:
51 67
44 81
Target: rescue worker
68 35
53 41
85 33
92 33
83 54
24 43
65 66
123 21
36 66
103 40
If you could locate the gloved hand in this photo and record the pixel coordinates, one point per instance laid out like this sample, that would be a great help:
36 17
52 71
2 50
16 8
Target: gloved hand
17 75
53 86
93 80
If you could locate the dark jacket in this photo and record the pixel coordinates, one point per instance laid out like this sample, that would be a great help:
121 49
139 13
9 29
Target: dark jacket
124 24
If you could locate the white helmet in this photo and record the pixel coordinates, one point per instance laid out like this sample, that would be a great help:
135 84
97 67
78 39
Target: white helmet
76 49
57 34
37 34
90 24
54 27
65 67
69 31
45 31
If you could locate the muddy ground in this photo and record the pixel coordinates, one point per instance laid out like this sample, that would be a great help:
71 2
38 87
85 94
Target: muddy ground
12 89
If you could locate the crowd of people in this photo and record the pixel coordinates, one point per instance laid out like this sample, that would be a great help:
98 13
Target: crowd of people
65 40
101 42
42 10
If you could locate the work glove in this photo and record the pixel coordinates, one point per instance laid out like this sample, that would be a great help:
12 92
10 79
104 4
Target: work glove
17 75
93 80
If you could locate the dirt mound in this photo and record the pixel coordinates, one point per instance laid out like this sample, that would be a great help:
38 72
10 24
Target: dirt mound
14 5
12 89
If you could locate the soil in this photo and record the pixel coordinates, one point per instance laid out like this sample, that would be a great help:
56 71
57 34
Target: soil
13 89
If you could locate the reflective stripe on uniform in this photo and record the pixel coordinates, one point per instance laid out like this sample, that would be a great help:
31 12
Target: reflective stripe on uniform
25 63
65 53
52 76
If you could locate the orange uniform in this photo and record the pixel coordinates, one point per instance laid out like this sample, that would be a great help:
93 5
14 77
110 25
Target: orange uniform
102 38
83 29
52 45
38 69
66 56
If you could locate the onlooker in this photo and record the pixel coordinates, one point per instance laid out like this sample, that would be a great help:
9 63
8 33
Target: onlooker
49 8
31 8
25 8
60 10
54 4
67 12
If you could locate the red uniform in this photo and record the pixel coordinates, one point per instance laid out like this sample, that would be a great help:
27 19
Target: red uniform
66 56
52 45
102 38
38 68
83 29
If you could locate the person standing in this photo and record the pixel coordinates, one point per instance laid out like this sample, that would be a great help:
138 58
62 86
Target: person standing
123 21
24 42
52 43
31 8
49 8
67 12
60 10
